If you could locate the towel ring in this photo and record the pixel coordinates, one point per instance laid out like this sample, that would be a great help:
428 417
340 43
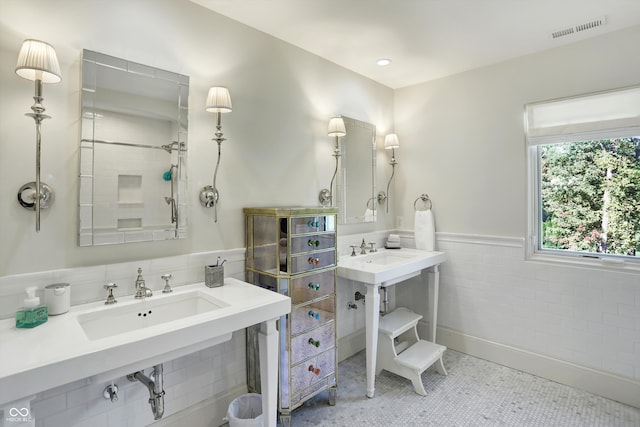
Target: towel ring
371 204
424 198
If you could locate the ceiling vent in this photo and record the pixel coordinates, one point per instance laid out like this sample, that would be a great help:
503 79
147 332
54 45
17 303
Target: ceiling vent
594 23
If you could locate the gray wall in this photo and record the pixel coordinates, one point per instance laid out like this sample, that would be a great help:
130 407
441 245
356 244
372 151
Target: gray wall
277 151
463 137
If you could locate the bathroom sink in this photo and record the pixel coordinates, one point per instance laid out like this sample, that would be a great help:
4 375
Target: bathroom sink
387 266
153 311
385 258
103 342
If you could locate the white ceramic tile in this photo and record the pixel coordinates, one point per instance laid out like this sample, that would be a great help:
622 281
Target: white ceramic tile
138 236
185 361
45 407
108 238
617 367
81 276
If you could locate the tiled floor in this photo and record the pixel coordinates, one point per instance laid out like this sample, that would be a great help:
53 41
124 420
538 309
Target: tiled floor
475 393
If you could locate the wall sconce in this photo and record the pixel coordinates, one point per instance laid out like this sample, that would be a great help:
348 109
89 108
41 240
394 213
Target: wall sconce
218 101
37 61
391 142
336 129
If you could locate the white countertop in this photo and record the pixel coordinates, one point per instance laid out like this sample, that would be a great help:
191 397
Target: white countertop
58 351
403 263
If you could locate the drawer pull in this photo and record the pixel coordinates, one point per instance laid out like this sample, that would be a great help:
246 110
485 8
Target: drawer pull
313 223
313 243
313 261
314 286
314 315
314 342
316 371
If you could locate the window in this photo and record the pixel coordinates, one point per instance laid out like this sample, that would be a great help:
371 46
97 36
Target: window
584 176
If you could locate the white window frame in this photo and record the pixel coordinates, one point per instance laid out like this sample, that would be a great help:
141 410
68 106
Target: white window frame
601 115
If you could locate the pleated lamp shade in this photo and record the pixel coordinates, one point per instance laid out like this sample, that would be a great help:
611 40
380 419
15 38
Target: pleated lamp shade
37 60
391 141
336 127
218 100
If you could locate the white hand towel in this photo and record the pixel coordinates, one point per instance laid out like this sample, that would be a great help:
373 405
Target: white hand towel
425 231
370 215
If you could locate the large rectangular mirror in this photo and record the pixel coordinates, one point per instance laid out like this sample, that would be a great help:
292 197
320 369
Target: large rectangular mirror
356 182
132 152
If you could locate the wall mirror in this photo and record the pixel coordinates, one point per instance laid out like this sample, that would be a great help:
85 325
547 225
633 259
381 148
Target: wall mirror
132 152
356 182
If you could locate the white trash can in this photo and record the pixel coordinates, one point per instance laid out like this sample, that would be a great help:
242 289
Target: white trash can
245 411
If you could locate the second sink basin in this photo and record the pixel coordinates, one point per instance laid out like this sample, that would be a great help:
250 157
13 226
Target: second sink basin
110 321
385 258
387 267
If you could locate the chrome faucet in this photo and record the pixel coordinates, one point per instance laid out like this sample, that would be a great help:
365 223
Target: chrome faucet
110 298
141 288
167 287
363 248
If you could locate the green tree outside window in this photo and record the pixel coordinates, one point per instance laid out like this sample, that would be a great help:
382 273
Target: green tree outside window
590 196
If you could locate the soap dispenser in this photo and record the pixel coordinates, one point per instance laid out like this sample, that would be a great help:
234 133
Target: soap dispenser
32 314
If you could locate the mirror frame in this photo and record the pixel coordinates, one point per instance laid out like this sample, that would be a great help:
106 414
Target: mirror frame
139 103
354 169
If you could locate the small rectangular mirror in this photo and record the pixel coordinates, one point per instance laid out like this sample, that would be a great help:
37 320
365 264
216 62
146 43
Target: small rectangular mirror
356 181
132 152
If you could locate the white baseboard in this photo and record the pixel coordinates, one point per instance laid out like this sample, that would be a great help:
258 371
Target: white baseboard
351 344
605 384
611 386
208 413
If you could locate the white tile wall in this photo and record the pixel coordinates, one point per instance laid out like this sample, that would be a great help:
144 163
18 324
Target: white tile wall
87 282
187 381
585 316
581 315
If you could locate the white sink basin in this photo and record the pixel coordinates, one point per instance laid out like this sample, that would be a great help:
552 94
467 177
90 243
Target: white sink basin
387 266
385 258
149 312
103 342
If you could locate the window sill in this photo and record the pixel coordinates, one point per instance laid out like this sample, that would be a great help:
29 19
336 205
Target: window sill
585 261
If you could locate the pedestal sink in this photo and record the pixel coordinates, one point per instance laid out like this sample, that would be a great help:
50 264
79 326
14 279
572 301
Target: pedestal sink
383 268
98 342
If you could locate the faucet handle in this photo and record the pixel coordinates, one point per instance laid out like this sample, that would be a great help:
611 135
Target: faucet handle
167 288
353 249
110 298
372 247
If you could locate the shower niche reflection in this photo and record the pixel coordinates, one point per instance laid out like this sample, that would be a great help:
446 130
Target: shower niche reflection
132 152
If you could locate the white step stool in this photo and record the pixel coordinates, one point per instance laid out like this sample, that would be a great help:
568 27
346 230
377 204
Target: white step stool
410 356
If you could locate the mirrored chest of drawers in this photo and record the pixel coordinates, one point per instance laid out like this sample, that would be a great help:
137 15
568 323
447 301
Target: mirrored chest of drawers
292 250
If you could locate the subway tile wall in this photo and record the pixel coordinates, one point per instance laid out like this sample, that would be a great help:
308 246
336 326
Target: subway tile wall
587 316
87 283
187 381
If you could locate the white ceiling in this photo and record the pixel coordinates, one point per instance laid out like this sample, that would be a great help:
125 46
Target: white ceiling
426 39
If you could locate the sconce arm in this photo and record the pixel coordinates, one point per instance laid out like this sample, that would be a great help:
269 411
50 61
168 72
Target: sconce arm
326 195
210 195
393 171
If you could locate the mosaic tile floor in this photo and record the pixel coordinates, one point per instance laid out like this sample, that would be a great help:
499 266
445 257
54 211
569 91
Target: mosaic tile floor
475 393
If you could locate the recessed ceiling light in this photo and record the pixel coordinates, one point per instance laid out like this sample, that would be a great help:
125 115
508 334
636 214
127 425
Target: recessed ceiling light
383 61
